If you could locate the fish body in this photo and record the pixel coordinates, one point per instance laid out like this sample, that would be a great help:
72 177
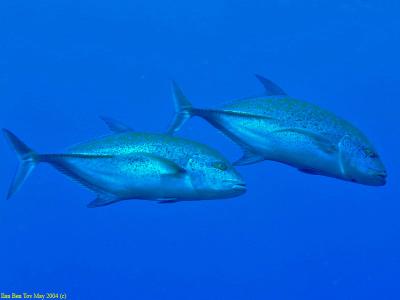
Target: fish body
123 177
205 169
129 165
280 128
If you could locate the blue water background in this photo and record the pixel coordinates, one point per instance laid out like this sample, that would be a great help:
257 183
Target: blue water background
292 236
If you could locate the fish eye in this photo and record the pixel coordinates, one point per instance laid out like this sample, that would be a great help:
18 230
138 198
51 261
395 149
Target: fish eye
374 155
370 153
220 166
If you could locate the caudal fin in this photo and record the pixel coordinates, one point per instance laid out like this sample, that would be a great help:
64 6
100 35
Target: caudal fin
28 161
183 109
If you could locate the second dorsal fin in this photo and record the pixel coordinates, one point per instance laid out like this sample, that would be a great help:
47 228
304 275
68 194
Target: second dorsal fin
116 126
271 89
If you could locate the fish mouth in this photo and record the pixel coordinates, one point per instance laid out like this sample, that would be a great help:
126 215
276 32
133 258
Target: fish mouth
382 176
379 177
379 172
236 185
239 187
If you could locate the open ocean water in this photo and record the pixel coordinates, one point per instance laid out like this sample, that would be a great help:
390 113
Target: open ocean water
291 236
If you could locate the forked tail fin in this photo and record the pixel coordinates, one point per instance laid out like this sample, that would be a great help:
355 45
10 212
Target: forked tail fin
28 161
183 109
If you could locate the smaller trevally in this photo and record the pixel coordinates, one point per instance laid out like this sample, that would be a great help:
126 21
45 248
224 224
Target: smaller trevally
129 165
281 128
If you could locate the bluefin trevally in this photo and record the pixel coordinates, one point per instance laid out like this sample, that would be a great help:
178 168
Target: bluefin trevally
280 128
130 165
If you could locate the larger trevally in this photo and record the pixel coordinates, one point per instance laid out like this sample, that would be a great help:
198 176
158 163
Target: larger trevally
280 128
129 165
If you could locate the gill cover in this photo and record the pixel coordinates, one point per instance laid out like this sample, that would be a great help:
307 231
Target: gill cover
344 154
192 167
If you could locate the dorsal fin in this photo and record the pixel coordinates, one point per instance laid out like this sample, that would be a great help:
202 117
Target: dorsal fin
116 126
271 89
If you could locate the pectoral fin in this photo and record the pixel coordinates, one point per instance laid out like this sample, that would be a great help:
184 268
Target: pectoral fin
248 158
322 142
168 167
